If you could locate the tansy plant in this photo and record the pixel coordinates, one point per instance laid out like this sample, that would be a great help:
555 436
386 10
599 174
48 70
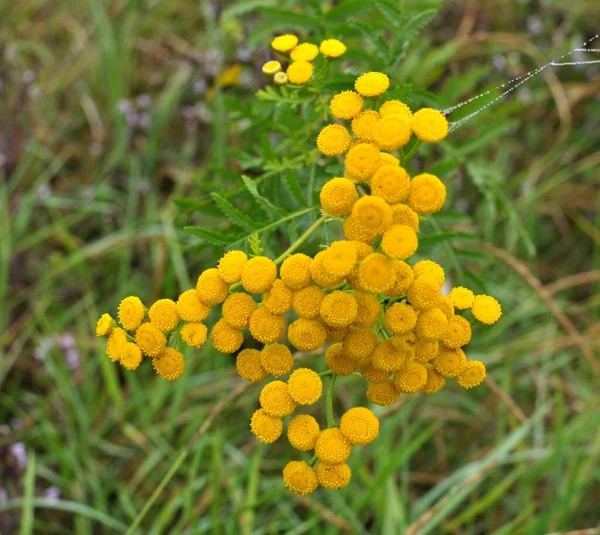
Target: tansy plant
359 303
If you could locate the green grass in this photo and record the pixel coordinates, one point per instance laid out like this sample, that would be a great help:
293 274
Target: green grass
132 453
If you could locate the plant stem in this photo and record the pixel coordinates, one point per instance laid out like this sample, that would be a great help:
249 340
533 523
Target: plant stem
313 461
301 239
408 157
329 402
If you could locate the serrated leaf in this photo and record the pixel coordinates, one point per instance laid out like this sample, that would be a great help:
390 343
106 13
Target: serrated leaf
208 235
444 167
346 9
390 11
412 28
267 206
232 213
444 236
293 186
245 6
369 35
291 19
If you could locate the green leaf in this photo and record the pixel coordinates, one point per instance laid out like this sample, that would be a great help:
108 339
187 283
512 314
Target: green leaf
256 245
232 213
290 19
267 206
369 35
208 235
346 9
412 28
293 187
390 11
444 236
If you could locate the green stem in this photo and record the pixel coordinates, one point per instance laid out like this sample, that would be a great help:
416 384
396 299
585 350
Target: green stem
301 239
329 402
411 153
313 461
323 374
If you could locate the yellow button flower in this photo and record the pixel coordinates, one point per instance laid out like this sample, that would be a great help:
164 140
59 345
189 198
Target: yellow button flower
190 308
338 362
248 365
458 333
404 279
431 325
360 343
225 338
462 298
307 302
265 327
131 313
303 431
425 351
372 84
355 231
363 125
377 273
194 334
332 447
340 258
400 318
486 309
472 374
332 48
424 293
237 309
306 335
299 477
322 276
400 242
305 386
391 183
275 399
150 339
231 264
284 43
266 428
335 334
373 375
405 215
337 196
105 325
450 362
334 476
131 356
360 426
169 364
276 359
387 357
258 274
164 315
116 343
392 132
280 78
271 68
435 382
430 269
339 309
395 107
304 52
346 105
373 214
429 125
333 140
382 394
299 72
211 288
368 310
295 271
411 378
362 161
278 300
427 194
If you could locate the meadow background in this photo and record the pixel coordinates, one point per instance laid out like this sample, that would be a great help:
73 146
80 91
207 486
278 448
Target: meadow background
119 118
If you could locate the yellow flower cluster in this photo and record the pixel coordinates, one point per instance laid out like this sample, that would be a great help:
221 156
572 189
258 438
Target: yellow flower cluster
300 57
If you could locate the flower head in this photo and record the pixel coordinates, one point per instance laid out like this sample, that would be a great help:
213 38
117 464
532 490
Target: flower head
303 431
237 309
363 125
362 161
472 374
248 365
105 325
411 378
323 276
372 84
400 318
355 231
450 362
360 343
435 382
275 399
280 78
391 183
258 274
374 375
265 327
190 308
430 269
299 477
131 313
427 194
423 293
131 356
150 339
395 107
431 325
404 279
276 359
339 309
333 476
462 298
164 315
335 334
387 357
284 43
368 310
429 125
332 48
338 362
360 426
265 427
346 105
169 364
332 447
306 335
458 333
211 288
305 386
392 132
304 52
486 309
270 68
115 344
230 266
278 300
405 215
307 302
425 351
377 273
299 72
194 334
338 196
382 394
225 338
400 242
295 271
333 140
373 214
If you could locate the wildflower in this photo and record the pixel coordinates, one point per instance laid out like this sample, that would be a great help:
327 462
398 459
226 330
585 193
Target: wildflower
405 342
423 293
427 194
462 298
131 313
194 334
299 72
425 351
368 309
364 124
225 338
361 161
333 140
429 125
332 48
392 132
373 213
164 315
360 426
169 364
332 447
115 344
372 84
295 271
338 196
458 333
305 386
237 309
278 300
266 327
386 357
335 334
450 362
377 273
271 68
190 308
359 343
472 374
307 302
338 362
284 43
431 325
333 476
303 431
280 78
131 356
374 375
400 318
411 378
230 266
346 105
306 335
304 52
435 382
150 339
404 279
382 394
405 215
486 309
105 325
400 242
395 107
391 183
276 359
211 288
266 428
354 230
430 269
321 275
340 258
339 309
258 274
275 399
248 365
299 477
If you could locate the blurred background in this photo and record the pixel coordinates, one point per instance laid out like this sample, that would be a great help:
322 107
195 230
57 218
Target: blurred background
119 118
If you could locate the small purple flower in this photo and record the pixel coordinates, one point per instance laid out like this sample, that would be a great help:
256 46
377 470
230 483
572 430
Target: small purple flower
143 100
52 493
18 452
72 358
